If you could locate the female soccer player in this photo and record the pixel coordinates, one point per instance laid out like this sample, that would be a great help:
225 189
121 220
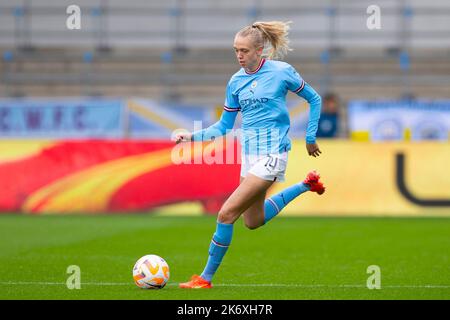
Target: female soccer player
259 91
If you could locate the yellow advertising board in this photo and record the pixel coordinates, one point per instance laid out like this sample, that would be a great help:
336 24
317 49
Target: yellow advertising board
399 178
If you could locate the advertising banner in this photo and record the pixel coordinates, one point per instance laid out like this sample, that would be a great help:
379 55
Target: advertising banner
105 176
61 118
99 176
399 120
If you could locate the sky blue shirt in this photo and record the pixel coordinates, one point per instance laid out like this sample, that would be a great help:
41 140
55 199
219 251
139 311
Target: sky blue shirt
261 98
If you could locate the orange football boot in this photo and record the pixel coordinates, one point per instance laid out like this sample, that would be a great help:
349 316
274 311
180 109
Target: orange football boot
312 180
196 282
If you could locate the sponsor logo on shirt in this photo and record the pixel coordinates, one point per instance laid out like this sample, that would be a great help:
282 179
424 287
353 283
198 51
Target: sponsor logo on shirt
253 102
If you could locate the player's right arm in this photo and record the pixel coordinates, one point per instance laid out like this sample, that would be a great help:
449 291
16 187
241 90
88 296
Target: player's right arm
220 128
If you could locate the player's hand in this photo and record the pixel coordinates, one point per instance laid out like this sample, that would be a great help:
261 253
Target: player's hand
313 149
183 137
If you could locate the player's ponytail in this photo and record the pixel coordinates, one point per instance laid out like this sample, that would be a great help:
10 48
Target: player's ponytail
273 33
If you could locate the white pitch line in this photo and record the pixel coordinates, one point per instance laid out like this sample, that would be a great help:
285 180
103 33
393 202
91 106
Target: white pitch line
282 285
326 285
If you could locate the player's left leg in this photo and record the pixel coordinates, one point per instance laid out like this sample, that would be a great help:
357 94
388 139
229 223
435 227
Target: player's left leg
263 210
276 203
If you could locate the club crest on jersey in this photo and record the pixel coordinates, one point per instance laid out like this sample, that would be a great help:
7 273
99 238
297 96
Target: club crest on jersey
254 84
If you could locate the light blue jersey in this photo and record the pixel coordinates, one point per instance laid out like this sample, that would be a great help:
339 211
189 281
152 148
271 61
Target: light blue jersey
261 98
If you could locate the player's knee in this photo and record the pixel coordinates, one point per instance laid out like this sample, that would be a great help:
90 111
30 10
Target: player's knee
227 216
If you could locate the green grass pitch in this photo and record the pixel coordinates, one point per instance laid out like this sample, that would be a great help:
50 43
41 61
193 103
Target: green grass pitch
289 258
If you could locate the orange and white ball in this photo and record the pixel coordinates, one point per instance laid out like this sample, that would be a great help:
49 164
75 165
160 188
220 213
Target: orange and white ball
151 272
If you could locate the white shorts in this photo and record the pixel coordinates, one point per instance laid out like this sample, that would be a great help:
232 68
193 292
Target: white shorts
270 167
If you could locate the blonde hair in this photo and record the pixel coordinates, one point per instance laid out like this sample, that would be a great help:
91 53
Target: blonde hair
272 33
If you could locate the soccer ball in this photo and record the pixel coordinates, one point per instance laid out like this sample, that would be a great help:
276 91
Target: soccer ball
151 272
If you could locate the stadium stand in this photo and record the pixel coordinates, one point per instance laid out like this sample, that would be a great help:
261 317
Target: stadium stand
181 49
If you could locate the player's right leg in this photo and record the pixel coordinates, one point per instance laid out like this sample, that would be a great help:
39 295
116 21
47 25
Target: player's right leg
254 215
240 200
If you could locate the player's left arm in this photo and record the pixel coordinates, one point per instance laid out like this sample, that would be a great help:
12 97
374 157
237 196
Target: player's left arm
297 85
315 103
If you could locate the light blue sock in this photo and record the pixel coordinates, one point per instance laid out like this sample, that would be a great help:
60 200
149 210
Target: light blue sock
219 245
276 203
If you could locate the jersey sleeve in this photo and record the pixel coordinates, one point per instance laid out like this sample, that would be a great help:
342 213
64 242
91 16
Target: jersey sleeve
297 85
315 106
231 101
294 81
